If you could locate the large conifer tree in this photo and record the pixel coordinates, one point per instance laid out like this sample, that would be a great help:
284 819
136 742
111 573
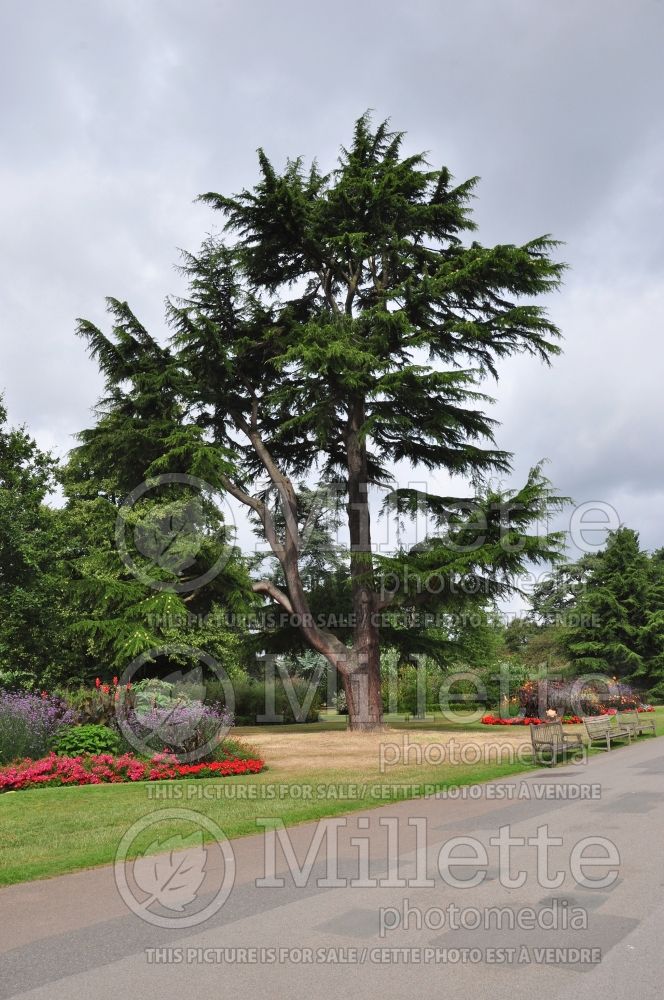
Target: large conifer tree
345 327
619 616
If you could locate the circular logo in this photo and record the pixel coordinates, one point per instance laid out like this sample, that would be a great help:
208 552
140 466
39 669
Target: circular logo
170 713
179 878
171 533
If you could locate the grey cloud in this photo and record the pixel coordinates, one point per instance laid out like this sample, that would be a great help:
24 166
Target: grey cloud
116 114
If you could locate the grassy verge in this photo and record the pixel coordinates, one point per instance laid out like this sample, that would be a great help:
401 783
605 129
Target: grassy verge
51 831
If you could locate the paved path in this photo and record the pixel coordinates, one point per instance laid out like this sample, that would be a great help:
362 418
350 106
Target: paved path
74 937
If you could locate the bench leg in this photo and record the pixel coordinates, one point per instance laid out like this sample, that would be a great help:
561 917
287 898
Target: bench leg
546 757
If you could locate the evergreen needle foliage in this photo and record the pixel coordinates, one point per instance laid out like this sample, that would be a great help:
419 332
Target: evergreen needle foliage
342 325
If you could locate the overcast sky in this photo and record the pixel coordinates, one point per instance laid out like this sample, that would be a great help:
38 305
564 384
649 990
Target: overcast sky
117 113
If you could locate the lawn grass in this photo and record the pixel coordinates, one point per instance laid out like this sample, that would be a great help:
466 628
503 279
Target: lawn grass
50 831
331 721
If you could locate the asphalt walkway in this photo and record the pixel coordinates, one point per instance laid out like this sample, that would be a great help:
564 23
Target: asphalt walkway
374 904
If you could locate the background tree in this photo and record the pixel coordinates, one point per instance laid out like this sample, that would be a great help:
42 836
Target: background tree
347 328
619 627
173 533
537 638
32 620
538 648
653 634
556 596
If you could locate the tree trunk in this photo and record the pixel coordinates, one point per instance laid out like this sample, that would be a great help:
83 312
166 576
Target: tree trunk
363 693
362 684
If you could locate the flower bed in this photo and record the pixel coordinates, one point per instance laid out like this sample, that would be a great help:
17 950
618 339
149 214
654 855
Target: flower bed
594 697
495 720
29 723
153 716
531 720
527 720
106 769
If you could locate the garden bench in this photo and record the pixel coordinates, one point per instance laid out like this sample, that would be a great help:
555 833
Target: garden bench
638 725
604 728
549 739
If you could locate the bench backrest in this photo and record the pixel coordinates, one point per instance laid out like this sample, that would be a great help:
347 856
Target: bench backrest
599 725
629 718
547 733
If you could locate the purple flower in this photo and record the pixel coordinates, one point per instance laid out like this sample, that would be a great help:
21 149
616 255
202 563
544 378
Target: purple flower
28 723
184 728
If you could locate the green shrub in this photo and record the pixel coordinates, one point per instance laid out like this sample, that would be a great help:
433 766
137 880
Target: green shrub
655 695
152 692
17 680
409 688
73 741
255 699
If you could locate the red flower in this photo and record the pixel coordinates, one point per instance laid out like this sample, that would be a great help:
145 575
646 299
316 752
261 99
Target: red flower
494 720
97 682
105 768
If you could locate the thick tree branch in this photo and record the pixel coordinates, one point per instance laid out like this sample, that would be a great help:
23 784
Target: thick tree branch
326 281
288 554
278 478
269 588
263 512
353 282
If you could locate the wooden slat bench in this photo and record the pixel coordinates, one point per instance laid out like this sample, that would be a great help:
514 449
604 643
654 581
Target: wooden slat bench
549 740
604 729
635 722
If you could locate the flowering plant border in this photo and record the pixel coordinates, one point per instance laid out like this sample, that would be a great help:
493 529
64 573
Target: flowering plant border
97 769
527 720
530 720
